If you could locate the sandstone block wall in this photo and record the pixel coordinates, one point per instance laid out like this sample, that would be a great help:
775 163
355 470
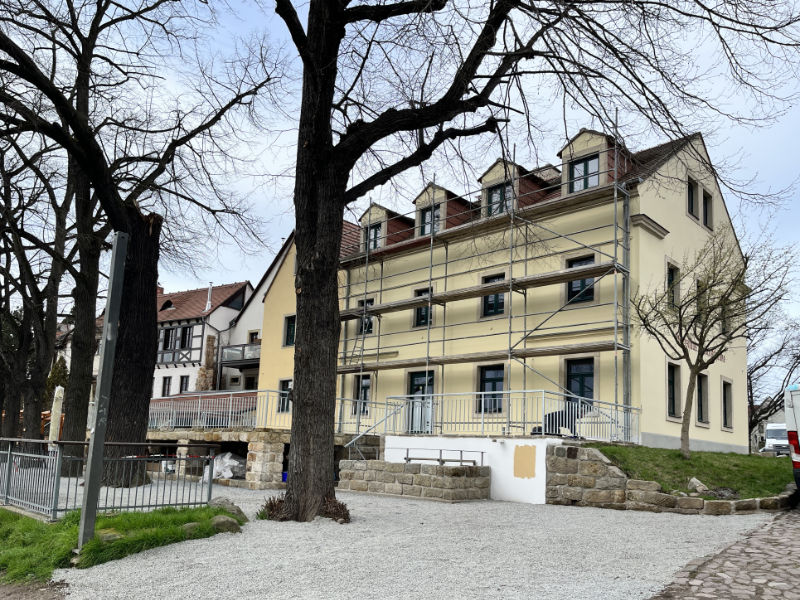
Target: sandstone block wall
448 483
264 464
265 448
585 477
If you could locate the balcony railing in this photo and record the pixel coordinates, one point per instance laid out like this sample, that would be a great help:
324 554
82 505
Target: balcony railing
529 412
249 410
241 352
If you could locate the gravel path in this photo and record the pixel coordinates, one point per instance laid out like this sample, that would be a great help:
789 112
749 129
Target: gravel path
399 548
763 565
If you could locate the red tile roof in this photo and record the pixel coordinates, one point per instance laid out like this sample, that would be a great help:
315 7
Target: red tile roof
648 161
191 304
351 239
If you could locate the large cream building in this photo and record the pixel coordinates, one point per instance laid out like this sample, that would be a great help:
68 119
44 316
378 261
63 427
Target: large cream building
507 311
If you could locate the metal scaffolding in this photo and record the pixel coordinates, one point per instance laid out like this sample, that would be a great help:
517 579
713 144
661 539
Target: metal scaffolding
528 236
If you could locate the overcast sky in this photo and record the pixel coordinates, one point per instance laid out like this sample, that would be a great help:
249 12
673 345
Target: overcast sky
767 155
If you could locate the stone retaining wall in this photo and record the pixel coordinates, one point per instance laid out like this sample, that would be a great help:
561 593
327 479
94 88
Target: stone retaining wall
449 483
585 477
264 464
265 448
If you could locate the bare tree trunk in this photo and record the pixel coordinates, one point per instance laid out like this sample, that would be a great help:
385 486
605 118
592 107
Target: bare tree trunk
32 410
79 388
319 207
311 455
687 414
136 346
10 427
15 378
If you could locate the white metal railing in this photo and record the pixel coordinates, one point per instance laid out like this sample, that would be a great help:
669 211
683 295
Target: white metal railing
206 410
269 409
527 412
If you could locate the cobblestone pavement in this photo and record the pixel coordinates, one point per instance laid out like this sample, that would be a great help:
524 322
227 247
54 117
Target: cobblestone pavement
763 565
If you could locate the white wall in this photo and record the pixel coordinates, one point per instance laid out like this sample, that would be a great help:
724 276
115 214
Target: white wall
498 454
221 317
250 319
175 372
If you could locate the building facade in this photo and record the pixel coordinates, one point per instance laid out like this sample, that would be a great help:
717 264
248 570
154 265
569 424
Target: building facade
506 311
193 326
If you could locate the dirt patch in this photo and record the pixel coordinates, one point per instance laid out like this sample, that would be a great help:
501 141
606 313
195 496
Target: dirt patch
32 591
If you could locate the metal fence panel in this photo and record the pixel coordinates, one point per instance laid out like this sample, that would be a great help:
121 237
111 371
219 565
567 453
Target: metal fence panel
44 479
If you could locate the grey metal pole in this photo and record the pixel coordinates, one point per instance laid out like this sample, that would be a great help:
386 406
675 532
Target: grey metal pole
108 346
56 479
209 491
7 477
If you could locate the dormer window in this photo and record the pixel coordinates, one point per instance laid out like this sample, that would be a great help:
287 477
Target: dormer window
584 173
497 198
429 220
373 235
167 305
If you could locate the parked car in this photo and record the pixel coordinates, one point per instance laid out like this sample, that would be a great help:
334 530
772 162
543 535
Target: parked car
776 439
791 404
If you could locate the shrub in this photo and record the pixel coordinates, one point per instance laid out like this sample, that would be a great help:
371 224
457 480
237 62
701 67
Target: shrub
331 508
334 509
271 509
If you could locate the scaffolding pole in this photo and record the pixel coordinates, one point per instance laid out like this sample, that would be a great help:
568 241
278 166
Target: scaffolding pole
619 268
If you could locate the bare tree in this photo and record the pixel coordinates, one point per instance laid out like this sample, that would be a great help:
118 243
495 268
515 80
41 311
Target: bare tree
34 210
720 298
773 362
388 84
133 144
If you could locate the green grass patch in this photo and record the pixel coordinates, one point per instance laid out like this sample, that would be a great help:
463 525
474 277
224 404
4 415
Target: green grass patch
750 476
30 550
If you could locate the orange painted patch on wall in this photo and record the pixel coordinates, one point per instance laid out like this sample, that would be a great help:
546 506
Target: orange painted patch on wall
525 462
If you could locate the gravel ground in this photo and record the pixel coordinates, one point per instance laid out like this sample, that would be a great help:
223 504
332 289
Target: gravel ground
399 548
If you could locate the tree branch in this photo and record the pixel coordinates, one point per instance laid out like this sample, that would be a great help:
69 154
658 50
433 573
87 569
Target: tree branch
421 154
285 10
378 13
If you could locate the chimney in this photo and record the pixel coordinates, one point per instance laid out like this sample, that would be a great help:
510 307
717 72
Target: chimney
208 301
159 290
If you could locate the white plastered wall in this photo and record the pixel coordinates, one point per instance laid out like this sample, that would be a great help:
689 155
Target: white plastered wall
498 453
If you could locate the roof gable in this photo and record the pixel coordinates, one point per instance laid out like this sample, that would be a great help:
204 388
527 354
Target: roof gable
511 167
434 191
592 138
191 304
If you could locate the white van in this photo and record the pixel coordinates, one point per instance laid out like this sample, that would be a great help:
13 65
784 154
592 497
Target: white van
791 402
776 439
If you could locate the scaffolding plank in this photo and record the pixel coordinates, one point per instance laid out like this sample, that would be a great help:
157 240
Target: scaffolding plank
485 289
521 353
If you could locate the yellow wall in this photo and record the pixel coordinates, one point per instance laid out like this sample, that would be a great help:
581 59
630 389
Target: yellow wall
277 360
538 248
664 199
